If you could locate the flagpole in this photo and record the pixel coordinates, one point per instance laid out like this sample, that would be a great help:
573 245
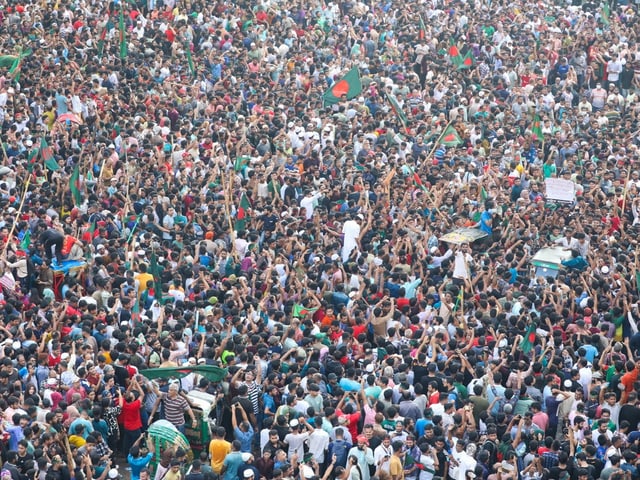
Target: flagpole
435 147
626 188
227 204
13 225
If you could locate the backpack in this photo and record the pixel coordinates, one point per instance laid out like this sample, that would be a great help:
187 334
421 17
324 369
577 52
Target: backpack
340 450
492 449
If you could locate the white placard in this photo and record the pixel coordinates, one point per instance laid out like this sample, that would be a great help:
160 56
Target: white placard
560 189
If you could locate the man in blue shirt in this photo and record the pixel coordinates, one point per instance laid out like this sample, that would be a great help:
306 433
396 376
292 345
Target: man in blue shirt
138 462
243 432
232 461
486 220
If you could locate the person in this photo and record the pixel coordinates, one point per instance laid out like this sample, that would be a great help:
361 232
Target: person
174 472
232 462
132 421
396 463
242 432
277 207
196 471
360 457
219 448
138 462
174 408
52 241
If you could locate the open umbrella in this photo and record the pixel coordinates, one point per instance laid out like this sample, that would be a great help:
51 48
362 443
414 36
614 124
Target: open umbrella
72 117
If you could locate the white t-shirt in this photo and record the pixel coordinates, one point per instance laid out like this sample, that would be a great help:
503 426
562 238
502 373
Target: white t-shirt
296 444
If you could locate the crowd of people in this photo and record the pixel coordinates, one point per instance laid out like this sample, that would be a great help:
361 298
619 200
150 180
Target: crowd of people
263 187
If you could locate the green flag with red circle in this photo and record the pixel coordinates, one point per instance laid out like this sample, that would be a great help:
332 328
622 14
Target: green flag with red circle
450 137
529 339
422 29
454 53
467 61
74 185
242 215
536 128
348 87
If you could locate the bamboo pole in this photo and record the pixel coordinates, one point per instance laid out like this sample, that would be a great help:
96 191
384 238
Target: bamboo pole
626 189
13 225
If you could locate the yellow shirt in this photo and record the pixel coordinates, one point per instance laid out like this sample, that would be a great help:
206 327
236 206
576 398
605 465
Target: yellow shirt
396 469
77 441
218 450
143 278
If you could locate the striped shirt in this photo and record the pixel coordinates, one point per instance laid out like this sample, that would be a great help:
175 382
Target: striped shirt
174 409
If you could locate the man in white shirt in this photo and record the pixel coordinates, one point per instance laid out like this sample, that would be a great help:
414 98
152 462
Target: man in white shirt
614 67
296 438
309 202
461 462
318 441
351 231
461 263
382 454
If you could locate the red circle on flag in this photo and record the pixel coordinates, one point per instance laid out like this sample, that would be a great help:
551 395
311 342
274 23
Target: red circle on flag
449 138
453 51
340 88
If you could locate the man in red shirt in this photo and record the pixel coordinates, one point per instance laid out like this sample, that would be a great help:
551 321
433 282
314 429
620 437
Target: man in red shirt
130 416
628 379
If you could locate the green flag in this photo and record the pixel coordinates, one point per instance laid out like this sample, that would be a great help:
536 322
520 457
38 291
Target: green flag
47 156
7 61
154 269
529 339
192 68
605 13
349 86
26 240
397 109
32 158
135 311
536 128
454 53
300 310
467 61
422 30
74 185
241 162
243 213
459 299
638 281
103 36
450 137
123 35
